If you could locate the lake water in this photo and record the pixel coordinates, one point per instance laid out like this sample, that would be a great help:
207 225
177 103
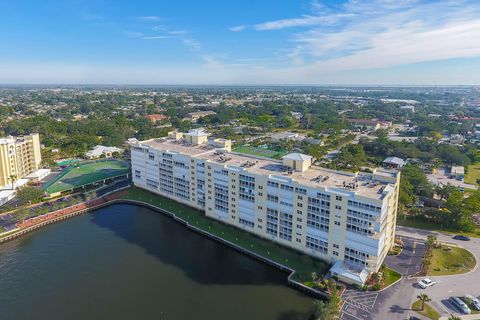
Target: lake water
130 262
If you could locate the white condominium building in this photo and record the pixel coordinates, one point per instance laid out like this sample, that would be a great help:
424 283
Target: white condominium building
19 156
347 219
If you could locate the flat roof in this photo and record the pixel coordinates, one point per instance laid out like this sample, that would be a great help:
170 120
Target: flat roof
313 177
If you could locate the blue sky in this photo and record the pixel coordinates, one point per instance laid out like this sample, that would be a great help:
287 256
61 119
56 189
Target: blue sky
240 42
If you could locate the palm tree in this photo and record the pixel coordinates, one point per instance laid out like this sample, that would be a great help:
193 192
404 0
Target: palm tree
13 178
424 298
452 317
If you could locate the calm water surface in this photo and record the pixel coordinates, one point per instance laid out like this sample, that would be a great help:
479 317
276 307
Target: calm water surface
129 262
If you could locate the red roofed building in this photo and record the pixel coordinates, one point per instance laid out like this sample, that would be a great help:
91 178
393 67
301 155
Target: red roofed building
154 118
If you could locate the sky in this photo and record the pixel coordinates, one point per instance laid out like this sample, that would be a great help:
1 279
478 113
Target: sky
240 42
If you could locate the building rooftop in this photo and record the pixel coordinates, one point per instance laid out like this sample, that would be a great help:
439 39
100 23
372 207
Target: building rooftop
297 156
394 160
363 184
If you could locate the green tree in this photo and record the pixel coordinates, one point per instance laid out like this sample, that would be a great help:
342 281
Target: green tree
328 310
453 317
30 195
424 298
13 178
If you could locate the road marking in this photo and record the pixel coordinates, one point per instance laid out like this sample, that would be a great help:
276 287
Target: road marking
352 315
442 305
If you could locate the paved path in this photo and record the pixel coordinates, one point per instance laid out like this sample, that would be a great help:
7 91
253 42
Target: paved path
409 261
454 285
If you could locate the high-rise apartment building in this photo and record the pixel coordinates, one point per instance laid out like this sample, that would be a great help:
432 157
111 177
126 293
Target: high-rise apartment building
19 156
347 219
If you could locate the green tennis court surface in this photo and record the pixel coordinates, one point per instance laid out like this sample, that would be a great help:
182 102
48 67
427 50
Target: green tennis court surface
254 151
81 174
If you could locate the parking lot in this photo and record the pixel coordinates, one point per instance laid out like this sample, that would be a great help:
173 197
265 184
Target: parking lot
358 304
442 176
451 285
410 260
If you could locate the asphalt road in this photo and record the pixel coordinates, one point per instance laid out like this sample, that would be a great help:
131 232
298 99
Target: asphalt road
446 286
394 303
409 261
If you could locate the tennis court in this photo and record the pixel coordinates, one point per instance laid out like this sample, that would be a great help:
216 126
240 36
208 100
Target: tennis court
254 151
86 173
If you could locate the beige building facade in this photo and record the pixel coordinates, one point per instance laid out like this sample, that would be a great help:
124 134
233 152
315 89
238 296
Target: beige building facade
347 219
19 156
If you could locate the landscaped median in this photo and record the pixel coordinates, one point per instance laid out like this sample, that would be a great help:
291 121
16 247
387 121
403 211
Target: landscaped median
449 260
302 264
425 309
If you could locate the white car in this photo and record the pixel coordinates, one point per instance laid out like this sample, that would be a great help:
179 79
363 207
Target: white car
425 283
475 302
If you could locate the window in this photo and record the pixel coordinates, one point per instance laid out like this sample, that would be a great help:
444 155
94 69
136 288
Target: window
338 198
338 207
337 223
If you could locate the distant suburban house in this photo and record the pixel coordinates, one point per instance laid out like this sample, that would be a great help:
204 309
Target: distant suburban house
457 172
102 151
157 117
394 162
194 116
313 141
284 135
297 115
408 108
367 124
456 139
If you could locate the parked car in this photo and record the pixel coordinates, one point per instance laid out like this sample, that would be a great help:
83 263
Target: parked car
460 305
460 237
414 318
425 283
475 301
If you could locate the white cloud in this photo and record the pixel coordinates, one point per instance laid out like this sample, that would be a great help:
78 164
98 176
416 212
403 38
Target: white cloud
155 37
303 21
133 34
177 32
192 44
149 18
237 28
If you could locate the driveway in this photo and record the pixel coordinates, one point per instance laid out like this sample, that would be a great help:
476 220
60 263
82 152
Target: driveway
392 303
409 261
454 285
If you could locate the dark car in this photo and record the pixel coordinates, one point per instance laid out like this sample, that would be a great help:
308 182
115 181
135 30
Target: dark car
460 237
414 318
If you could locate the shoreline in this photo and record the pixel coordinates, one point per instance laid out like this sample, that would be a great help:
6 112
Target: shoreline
108 202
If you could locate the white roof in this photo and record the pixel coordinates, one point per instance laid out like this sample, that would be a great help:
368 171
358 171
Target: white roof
99 150
196 132
358 275
38 173
457 169
18 183
297 156
394 160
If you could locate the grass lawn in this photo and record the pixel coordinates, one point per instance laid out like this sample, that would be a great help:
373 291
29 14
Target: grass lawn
420 223
254 151
301 263
389 276
77 176
454 261
473 173
428 311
